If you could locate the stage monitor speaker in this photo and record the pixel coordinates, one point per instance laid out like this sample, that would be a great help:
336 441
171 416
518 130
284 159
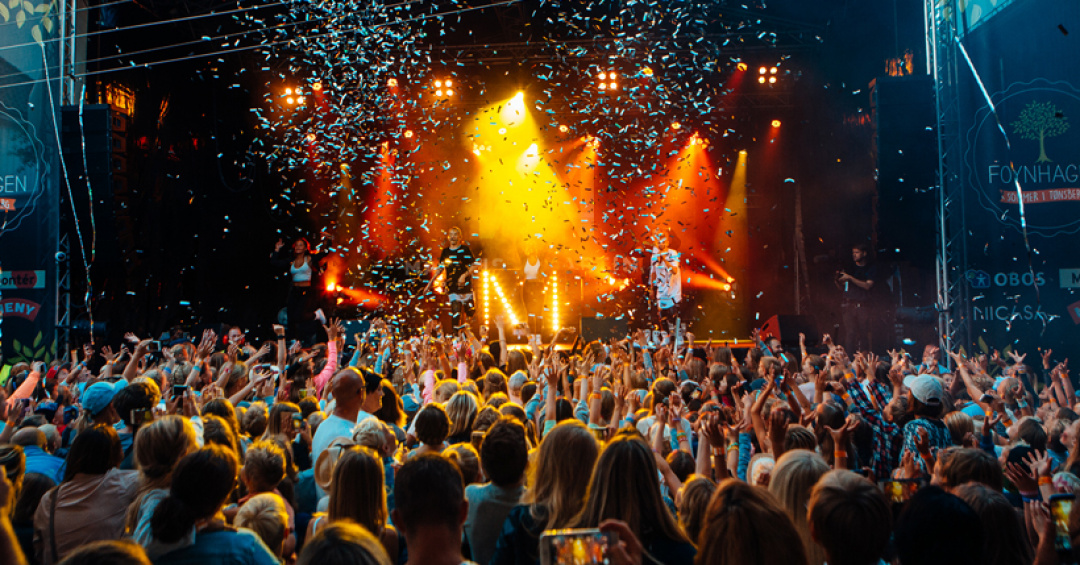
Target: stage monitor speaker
787 328
603 328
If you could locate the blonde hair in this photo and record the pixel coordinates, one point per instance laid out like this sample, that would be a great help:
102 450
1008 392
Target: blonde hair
695 496
159 446
444 389
343 543
959 424
560 475
265 514
264 465
462 409
793 479
359 491
466 458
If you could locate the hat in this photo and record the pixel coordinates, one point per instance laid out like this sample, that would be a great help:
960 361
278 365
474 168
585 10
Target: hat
98 396
925 388
324 465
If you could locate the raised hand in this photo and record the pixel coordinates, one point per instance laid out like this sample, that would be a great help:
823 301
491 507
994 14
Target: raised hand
132 338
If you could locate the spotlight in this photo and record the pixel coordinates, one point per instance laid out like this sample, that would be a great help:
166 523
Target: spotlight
725 286
288 91
762 70
391 82
676 126
741 66
438 84
614 86
772 80
563 128
603 86
603 76
772 71
311 137
761 80
776 123
290 100
408 134
449 92
611 75
647 71
300 100
317 86
438 93
449 83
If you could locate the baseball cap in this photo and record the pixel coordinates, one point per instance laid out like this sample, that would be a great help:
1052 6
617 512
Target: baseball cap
925 388
98 396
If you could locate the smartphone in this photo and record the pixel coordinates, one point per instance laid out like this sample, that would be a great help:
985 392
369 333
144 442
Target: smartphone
899 491
298 421
1060 509
587 546
154 346
779 381
141 416
179 390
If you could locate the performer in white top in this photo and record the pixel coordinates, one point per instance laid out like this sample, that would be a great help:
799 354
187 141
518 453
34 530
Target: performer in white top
665 278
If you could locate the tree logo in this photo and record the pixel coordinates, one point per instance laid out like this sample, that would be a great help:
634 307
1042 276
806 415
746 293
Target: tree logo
1040 121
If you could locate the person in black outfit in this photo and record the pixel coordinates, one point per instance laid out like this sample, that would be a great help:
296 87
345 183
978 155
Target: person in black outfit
459 265
857 284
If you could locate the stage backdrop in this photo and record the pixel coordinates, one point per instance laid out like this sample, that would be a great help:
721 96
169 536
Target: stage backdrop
1025 55
29 182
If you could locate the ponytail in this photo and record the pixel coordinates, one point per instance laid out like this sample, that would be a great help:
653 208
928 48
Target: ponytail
201 483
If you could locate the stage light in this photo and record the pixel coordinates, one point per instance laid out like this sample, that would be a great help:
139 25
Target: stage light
288 91
647 71
603 76
330 287
725 286
554 301
772 71
486 294
311 137
317 86
408 133
742 152
449 92
449 83
772 80
603 86
676 126
611 75
563 128
614 86
391 82
761 80
438 84
776 123
762 70
438 93
741 66
290 100
300 100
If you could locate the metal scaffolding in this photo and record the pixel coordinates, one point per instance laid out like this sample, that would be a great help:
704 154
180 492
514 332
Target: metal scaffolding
953 303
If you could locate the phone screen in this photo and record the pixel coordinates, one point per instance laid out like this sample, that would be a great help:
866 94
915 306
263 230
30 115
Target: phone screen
179 390
297 421
899 491
576 547
1060 509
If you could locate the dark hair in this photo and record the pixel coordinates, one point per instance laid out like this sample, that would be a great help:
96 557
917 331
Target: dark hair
222 408
432 425
428 490
107 552
682 464
1005 541
938 528
308 406
139 395
504 452
218 432
528 391
34 486
959 465
201 483
94 451
392 410
343 542
1033 433
14 461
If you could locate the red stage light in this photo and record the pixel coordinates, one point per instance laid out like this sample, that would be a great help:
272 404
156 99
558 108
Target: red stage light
408 133
317 86
776 123
392 82
742 66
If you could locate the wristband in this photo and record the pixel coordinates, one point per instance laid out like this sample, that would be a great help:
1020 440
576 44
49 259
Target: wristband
846 397
1045 481
593 395
733 447
839 454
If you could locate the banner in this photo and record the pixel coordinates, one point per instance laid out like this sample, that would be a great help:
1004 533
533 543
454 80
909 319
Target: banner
29 179
1022 146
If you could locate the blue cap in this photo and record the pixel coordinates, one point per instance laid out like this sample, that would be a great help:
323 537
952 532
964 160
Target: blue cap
98 396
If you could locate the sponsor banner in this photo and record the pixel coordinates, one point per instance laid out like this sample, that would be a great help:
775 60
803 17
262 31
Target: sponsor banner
18 308
1042 196
10 280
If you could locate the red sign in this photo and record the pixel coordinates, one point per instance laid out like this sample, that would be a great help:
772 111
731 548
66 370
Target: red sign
21 279
7 204
20 308
1041 196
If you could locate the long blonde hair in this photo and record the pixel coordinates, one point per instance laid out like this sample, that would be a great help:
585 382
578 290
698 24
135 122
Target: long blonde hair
159 446
561 474
461 409
625 486
793 479
358 491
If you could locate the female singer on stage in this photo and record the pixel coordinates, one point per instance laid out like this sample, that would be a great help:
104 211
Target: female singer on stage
303 288
532 287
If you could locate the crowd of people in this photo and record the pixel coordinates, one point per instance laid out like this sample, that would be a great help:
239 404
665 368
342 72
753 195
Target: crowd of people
431 449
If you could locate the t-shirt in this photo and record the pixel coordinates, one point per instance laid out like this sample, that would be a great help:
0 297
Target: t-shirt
456 262
489 504
224 547
852 291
